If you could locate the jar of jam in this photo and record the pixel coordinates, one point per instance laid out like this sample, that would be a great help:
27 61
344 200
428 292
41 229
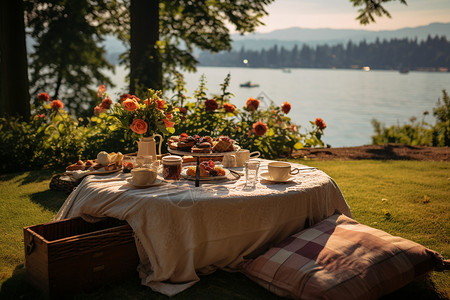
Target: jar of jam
171 167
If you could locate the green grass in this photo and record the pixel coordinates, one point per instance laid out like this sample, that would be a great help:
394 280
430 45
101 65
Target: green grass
405 198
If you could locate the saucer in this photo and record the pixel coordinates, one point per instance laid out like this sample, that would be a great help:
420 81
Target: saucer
266 176
157 182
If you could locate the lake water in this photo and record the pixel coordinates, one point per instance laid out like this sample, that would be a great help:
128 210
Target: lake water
347 100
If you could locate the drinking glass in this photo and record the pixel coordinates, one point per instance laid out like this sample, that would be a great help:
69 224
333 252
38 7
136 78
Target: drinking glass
251 172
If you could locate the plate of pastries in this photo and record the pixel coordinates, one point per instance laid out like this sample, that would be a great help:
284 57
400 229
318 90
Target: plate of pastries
105 163
201 144
208 171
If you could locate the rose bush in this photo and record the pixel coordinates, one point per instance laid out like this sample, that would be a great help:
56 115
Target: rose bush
268 130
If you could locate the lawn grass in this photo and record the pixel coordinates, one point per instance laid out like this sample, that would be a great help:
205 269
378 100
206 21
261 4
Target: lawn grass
405 198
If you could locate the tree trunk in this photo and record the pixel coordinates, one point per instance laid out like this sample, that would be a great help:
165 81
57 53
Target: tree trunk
145 63
15 95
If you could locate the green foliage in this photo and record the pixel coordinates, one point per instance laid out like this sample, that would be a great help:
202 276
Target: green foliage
68 59
53 138
418 133
372 9
441 131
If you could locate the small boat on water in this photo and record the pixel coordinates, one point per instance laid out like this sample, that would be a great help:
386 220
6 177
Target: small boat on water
249 84
404 70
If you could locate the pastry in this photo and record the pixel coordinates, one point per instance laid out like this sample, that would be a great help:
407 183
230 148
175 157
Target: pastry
75 167
186 144
222 146
203 147
206 169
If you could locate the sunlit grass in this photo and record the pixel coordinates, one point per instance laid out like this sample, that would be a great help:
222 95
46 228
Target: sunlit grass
405 198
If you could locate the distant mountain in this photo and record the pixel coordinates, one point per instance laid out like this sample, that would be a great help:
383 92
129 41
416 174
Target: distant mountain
295 35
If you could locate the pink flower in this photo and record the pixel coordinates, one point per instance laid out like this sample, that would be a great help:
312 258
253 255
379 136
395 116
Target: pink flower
100 90
40 116
98 109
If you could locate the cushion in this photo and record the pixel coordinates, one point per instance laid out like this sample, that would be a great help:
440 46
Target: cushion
339 258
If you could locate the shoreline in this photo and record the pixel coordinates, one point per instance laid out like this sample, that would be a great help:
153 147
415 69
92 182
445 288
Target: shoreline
376 152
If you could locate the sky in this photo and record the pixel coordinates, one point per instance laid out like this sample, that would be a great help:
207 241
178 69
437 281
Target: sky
340 14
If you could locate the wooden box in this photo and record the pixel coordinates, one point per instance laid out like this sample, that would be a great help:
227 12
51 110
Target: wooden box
73 255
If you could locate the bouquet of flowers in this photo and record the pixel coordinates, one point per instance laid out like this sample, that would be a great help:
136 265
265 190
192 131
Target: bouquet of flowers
150 116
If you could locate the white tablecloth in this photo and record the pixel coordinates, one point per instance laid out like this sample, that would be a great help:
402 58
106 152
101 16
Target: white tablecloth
182 230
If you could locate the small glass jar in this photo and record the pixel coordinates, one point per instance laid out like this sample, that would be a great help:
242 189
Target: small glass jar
171 167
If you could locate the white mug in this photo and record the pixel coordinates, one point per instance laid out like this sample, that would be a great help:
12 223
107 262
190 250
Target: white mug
244 155
279 170
229 160
143 176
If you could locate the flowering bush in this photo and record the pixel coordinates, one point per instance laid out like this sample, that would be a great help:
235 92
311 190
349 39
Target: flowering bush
269 131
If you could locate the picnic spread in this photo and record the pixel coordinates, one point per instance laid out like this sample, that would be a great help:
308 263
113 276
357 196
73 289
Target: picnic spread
182 229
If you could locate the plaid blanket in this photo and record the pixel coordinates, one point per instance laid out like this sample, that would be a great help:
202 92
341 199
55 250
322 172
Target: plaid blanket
339 258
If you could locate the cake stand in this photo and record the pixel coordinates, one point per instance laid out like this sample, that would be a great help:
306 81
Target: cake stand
198 155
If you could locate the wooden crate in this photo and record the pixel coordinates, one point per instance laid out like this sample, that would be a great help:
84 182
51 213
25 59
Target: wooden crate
73 255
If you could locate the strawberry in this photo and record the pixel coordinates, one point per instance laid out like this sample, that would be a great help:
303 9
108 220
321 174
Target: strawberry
211 164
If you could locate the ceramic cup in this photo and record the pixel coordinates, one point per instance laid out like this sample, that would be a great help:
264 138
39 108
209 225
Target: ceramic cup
143 176
243 155
281 171
229 160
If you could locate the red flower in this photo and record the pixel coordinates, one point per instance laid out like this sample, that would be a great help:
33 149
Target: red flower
124 97
40 116
229 107
99 109
252 104
56 104
160 103
259 128
183 110
286 107
100 90
320 123
293 127
43 97
106 103
139 126
168 123
169 116
211 104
